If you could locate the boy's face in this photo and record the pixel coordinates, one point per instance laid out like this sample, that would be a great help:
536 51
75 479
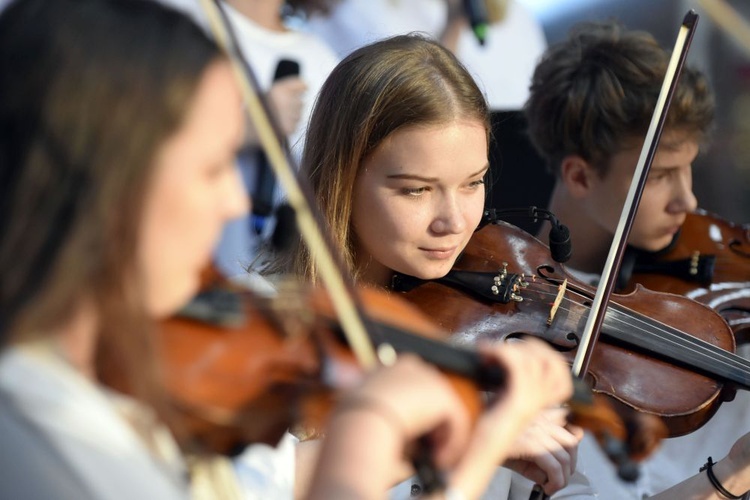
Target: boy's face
667 197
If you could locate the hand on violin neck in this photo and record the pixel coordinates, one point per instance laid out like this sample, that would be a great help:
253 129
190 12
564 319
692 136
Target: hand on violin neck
417 400
546 451
375 425
538 378
377 422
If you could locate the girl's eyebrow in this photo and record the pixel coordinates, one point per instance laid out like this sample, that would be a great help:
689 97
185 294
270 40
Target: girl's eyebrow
414 177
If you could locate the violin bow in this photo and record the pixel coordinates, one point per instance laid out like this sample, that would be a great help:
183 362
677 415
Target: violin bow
612 265
727 18
311 227
307 217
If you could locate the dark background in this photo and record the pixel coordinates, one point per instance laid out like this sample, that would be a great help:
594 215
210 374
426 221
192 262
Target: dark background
721 173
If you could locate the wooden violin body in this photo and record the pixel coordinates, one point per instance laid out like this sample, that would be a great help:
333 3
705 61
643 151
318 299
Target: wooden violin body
709 262
243 369
239 377
645 358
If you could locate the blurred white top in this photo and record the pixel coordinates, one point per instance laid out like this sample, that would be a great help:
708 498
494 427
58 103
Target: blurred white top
502 67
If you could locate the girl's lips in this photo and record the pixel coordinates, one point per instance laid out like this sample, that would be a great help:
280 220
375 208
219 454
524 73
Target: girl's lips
439 253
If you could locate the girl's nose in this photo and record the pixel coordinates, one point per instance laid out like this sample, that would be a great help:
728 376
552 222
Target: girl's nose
449 218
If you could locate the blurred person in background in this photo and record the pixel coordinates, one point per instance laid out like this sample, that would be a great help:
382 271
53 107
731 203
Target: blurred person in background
592 99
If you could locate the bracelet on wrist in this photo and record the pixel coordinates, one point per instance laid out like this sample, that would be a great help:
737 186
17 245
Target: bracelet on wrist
708 467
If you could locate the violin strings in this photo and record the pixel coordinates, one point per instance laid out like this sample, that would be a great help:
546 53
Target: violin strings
681 340
649 328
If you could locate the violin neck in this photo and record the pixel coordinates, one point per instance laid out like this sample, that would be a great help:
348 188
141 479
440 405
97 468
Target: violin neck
463 362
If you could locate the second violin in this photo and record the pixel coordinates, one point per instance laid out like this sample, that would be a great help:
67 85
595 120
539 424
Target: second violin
243 369
708 261
662 354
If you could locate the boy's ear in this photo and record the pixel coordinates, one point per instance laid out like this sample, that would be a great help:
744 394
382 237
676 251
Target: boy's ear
576 174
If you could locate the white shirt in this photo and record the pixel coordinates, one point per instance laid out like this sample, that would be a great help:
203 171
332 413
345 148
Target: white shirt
264 49
86 425
502 67
268 472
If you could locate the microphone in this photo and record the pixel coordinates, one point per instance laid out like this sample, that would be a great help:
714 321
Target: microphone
560 244
265 185
476 13
285 234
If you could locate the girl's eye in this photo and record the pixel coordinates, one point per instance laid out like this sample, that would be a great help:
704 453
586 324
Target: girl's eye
217 170
413 191
477 183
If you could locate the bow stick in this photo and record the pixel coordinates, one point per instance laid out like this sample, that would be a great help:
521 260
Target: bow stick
312 230
306 215
651 142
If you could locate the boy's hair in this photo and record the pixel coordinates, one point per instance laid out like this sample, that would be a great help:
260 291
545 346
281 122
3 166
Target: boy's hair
597 90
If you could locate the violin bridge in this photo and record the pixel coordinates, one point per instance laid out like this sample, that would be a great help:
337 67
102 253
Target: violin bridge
560 294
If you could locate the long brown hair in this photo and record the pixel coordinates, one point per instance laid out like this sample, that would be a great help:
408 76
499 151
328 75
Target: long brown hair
89 90
399 82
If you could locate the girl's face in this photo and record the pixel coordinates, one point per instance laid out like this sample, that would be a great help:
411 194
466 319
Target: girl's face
418 199
194 190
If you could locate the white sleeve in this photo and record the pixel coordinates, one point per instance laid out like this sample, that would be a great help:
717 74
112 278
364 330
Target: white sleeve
265 472
579 487
498 489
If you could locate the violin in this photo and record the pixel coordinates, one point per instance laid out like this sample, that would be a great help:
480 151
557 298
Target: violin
661 354
240 368
243 369
349 316
708 261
